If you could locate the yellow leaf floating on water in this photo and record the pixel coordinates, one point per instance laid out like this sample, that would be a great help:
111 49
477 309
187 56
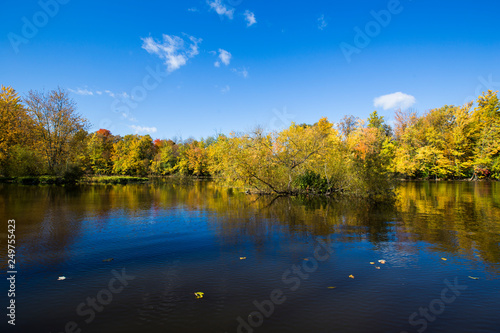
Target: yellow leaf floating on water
382 261
306 259
199 294
243 258
351 276
377 267
444 259
473 278
372 263
332 287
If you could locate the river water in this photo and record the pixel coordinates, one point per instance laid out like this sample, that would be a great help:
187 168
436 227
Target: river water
135 255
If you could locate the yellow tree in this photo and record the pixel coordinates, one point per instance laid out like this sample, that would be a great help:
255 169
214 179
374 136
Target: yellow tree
486 118
165 161
272 162
15 126
193 158
99 151
133 155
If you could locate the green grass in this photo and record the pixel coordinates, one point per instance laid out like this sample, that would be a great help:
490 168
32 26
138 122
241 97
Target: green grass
115 179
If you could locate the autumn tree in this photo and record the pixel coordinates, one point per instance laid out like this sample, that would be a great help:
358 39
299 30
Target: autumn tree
56 122
486 118
347 125
437 145
373 149
100 150
15 130
166 157
193 158
133 155
275 162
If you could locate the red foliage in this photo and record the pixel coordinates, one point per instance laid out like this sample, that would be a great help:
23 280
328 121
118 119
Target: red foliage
103 133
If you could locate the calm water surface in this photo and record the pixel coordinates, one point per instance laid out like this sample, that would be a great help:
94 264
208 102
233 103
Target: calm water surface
312 257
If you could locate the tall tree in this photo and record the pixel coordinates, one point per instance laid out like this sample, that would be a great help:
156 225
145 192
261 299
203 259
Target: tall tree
100 150
15 125
487 128
55 123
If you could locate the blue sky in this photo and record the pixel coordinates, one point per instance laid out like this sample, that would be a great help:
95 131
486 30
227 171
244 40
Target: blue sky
230 65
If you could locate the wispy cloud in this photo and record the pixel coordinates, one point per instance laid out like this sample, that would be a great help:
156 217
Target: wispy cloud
322 23
88 92
220 8
128 117
143 129
241 72
250 18
193 9
83 92
225 58
172 49
394 101
225 89
113 94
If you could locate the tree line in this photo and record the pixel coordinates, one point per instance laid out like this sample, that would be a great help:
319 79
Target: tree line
44 134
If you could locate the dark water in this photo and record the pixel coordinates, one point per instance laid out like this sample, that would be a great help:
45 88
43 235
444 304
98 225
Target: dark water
169 241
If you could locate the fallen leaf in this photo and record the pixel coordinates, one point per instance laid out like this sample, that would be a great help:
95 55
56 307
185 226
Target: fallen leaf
473 278
377 267
61 278
444 259
372 263
351 276
243 258
382 261
332 287
199 294
306 259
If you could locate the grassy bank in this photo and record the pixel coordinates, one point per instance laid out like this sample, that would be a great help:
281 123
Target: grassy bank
113 179
58 180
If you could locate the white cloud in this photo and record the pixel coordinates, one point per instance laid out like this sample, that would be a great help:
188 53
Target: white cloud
217 64
128 117
80 91
87 92
192 9
322 23
172 50
143 129
225 57
225 89
250 18
394 101
220 8
110 93
241 72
